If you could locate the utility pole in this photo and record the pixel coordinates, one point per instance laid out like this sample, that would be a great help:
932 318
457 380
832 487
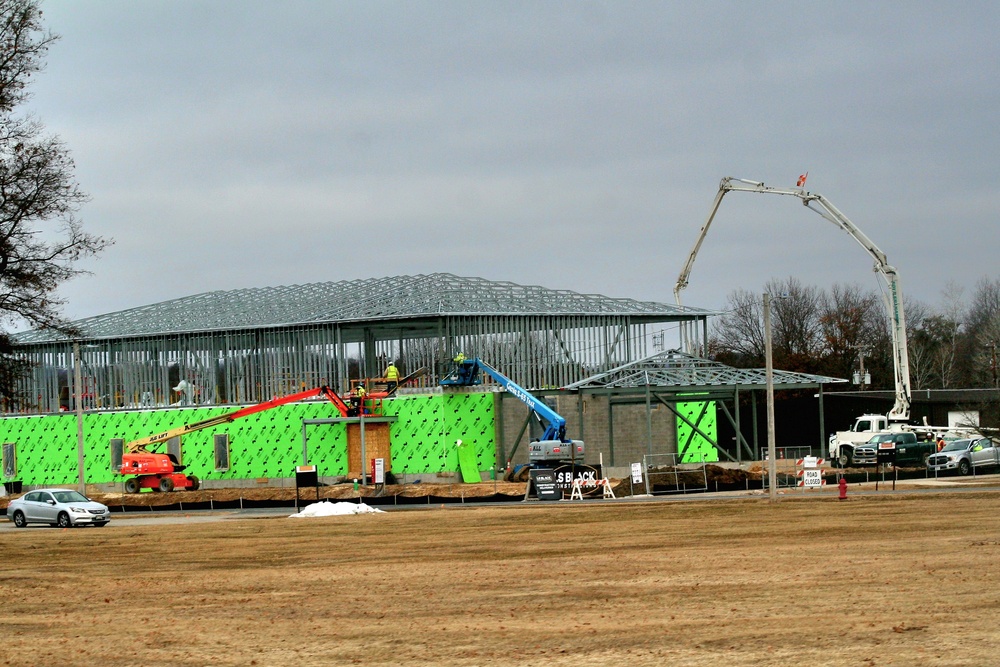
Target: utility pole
862 377
993 363
772 467
78 399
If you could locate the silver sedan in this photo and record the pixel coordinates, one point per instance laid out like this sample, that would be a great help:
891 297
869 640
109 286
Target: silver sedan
57 507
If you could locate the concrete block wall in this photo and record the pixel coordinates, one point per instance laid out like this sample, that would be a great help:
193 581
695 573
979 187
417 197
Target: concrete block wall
631 437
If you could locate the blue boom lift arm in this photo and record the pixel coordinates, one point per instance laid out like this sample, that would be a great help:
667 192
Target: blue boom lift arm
469 372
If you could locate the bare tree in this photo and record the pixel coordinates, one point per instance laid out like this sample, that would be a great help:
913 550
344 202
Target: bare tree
798 334
985 305
986 360
920 349
41 238
738 335
982 326
946 327
854 327
977 354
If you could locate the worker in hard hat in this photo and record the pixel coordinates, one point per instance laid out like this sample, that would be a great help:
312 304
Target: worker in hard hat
391 377
185 392
357 401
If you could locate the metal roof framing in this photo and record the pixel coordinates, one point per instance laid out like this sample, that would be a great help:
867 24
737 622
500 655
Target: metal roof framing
674 368
368 300
672 377
246 346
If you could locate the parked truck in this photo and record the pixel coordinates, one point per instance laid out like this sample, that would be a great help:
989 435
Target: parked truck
899 448
844 443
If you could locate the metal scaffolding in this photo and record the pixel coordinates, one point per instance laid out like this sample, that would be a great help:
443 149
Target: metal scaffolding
246 346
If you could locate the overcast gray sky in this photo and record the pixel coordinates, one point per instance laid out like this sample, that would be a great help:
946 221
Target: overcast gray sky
576 145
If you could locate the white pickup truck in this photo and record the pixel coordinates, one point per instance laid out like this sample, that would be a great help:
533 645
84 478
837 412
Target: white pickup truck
842 443
859 445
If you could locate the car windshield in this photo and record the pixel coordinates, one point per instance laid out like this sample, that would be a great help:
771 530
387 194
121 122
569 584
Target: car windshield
956 446
70 497
887 437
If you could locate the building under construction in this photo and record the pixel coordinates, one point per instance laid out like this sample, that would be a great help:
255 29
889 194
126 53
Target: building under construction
603 364
245 346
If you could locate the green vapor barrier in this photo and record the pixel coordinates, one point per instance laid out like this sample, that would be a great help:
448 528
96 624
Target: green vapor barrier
692 447
266 444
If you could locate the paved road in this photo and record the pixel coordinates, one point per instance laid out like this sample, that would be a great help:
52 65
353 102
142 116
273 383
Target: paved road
979 483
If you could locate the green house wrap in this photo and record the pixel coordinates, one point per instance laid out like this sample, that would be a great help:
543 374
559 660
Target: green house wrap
267 444
697 432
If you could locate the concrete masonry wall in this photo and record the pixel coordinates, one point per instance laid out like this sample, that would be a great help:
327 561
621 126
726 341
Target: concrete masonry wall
632 438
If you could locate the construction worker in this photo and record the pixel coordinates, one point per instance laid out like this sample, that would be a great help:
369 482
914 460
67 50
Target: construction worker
459 358
940 443
357 401
391 377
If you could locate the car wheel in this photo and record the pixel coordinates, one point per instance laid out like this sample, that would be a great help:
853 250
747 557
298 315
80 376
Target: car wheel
19 519
63 520
963 467
194 482
166 484
926 457
844 460
132 485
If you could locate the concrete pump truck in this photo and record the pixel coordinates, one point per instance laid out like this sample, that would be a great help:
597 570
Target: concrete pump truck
842 444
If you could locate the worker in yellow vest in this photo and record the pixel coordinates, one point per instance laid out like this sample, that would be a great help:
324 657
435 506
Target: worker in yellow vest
391 377
357 407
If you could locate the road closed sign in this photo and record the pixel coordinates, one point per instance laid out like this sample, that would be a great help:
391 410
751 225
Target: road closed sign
812 477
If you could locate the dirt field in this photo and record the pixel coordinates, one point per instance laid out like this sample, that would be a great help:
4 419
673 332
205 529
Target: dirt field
874 580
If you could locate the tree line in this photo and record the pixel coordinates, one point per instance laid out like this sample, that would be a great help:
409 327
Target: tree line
41 237
845 331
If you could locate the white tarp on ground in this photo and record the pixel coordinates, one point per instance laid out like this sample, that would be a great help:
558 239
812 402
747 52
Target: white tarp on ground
326 508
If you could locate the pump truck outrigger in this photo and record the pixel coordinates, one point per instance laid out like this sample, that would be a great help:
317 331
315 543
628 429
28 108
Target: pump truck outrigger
161 472
553 447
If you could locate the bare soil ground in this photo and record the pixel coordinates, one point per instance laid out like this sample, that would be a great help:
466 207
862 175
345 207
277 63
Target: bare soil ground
332 493
886 579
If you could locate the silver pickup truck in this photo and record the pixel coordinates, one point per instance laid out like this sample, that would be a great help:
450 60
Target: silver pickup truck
965 455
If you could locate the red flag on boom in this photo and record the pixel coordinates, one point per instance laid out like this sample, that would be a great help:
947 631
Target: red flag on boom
802 180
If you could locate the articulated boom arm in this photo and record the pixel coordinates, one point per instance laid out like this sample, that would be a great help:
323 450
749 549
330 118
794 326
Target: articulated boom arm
468 373
141 444
817 203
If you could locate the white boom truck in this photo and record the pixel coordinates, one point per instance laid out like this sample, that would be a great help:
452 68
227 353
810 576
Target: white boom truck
841 443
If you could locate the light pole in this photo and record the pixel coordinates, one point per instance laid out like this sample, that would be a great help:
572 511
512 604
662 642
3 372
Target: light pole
78 400
772 467
862 377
